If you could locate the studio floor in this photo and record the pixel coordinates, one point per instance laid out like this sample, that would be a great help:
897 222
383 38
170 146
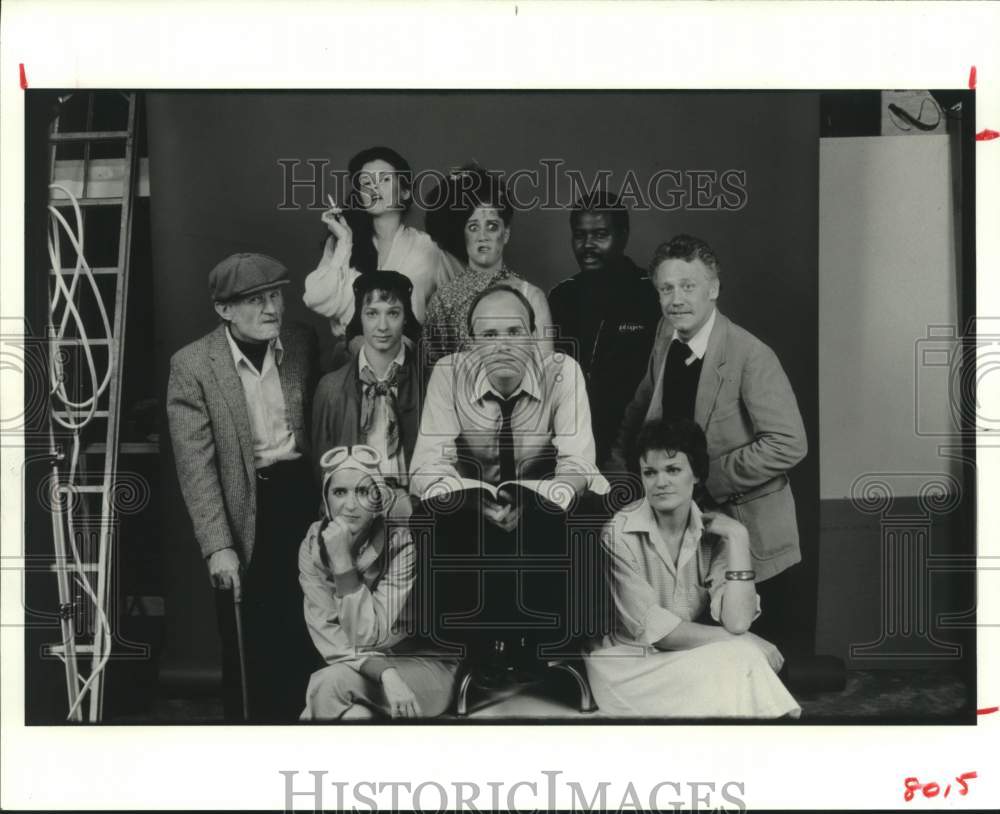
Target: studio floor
890 696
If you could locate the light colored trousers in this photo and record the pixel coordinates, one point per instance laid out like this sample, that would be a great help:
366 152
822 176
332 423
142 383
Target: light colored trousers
340 691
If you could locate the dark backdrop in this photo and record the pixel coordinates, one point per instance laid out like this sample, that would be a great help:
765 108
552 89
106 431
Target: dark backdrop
216 186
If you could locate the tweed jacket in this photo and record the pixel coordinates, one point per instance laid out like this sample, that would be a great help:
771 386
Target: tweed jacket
211 435
755 433
336 419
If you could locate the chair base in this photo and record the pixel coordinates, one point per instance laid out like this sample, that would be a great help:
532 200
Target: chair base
467 679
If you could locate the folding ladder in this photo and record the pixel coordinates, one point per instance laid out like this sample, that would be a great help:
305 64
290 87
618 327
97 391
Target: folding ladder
86 346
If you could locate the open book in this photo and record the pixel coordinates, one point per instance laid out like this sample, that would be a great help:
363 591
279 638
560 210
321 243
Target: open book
554 491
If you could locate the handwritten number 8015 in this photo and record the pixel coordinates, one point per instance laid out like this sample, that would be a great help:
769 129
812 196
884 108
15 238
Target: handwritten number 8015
913 785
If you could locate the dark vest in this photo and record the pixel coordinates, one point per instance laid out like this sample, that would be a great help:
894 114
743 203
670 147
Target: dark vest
680 383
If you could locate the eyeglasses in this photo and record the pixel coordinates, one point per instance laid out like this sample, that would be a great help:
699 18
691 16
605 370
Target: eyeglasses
362 454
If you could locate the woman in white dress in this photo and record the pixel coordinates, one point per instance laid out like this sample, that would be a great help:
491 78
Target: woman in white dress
370 235
471 222
683 596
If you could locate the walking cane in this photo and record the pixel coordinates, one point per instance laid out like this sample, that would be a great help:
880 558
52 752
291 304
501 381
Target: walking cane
243 659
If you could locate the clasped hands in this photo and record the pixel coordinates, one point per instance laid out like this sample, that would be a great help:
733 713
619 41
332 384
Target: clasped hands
502 513
505 514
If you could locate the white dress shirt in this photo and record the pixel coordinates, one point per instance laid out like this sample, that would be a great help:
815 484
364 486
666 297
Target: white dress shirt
273 439
699 342
552 415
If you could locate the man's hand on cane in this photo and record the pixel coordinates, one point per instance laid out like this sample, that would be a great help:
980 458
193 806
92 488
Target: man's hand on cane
224 571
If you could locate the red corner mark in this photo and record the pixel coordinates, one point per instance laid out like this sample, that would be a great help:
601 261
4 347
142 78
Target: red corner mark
972 78
987 710
24 78
987 135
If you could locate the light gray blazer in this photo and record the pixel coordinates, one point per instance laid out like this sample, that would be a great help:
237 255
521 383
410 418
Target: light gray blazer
211 435
755 433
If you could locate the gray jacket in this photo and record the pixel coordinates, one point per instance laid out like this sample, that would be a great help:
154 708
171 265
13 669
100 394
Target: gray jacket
211 435
755 434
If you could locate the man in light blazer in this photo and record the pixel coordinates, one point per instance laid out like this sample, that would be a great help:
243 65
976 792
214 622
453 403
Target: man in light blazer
237 405
705 367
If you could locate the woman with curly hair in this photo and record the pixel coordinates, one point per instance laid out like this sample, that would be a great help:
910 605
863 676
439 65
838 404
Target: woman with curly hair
471 222
369 235
682 584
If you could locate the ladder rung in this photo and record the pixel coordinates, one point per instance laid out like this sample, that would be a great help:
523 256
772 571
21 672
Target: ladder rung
99 270
86 566
81 413
103 177
97 135
60 649
124 448
65 203
76 340
90 488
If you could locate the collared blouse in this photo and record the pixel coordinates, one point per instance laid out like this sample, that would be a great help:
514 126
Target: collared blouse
653 595
356 614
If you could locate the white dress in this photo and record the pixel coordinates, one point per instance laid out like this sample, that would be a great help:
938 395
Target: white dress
629 676
329 287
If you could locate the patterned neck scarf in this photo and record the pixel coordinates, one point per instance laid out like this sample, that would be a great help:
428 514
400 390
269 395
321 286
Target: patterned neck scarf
375 393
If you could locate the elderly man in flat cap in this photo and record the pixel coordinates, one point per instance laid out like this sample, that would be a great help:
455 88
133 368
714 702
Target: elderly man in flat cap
238 408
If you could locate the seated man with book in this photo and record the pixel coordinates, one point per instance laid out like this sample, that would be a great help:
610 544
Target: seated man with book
505 448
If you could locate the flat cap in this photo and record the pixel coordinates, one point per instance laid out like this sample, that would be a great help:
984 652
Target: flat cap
242 274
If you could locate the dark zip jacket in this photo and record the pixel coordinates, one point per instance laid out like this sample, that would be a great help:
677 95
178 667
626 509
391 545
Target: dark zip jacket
607 322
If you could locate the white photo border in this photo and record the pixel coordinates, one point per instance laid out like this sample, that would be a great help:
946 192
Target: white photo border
490 45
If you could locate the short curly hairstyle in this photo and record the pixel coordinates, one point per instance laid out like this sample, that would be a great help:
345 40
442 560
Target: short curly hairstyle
673 435
688 249
456 197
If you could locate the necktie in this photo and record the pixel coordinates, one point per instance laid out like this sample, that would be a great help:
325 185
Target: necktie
374 393
680 381
505 439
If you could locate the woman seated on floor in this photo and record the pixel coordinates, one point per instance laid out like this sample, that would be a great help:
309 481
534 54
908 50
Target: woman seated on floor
684 599
357 572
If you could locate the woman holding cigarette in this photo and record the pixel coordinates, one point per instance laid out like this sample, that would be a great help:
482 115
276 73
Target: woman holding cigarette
682 587
357 570
370 235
